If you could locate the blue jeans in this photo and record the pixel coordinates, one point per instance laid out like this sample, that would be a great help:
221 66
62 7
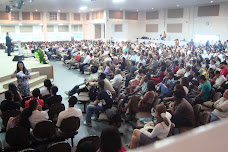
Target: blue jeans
90 109
164 89
214 118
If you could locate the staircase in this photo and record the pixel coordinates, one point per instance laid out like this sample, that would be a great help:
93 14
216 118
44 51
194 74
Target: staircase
36 81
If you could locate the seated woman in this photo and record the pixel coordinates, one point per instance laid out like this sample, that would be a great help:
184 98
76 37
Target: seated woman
16 94
45 90
160 131
123 64
142 103
107 68
54 98
111 141
160 75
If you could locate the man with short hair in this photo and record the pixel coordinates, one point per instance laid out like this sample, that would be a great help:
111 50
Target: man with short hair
9 103
54 98
117 80
104 101
70 111
35 95
8 43
205 92
85 62
219 79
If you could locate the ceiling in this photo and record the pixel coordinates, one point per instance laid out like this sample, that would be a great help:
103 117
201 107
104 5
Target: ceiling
74 5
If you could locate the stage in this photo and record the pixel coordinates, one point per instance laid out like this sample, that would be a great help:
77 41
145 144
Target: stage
38 71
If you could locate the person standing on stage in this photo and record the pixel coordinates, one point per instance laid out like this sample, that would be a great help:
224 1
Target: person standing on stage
22 75
8 43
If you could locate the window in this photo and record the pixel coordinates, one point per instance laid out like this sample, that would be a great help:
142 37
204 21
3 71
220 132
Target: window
4 16
36 15
118 28
115 14
25 15
53 16
15 16
151 27
152 15
63 16
77 16
174 28
131 15
211 10
175 13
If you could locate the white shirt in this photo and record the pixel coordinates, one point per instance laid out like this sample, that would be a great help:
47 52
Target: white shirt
44 91
143 62
187 74
160 131
37 116
87 60
116 82
69 112
223 104
180 72
219 81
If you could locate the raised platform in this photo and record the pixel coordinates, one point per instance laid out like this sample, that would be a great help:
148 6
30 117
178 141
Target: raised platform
39 72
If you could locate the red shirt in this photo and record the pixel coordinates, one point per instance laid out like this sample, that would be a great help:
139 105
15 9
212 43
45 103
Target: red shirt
78 57
224 71
40 101
175 69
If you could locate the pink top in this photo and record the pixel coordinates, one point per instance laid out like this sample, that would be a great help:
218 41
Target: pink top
123 149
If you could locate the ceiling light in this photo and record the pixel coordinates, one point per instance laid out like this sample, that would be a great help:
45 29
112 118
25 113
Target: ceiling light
83 8
60 24
40 24
178 5
11 9
152 8
79 11
211 1
19 24
137 10
36 10
92 10
116 1
58 10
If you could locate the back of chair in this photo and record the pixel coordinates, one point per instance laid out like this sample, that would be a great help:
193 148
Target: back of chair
55 109
212 93
70 125
23 101
44 130
29 150
217 96
197 109
204 118
17 136
94 139
10 113
60 146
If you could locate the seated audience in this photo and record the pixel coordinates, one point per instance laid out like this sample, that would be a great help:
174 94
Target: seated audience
54 98
70 111
37 115
9 103
220 108
160 131
117 80
35 95
46 89
219 79
111 141
16 93
103 102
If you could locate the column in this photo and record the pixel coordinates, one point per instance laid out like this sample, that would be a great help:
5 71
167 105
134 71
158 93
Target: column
45 25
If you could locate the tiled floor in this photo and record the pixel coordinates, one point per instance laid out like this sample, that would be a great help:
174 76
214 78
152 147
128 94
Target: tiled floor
65 80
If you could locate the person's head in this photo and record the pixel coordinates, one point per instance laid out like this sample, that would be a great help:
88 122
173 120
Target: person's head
181 65
101 84
54 90
160 113
147 77
47 84
12 87
202 78
110 140
184 81
9 95
179 94
225 94
217 73
20 66
151 85
117 71
93 70
7 33
102 76
36 92
171 75
72 101
133 63
33 104
187 68
87 146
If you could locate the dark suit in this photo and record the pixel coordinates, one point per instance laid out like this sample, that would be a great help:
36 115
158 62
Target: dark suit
8 44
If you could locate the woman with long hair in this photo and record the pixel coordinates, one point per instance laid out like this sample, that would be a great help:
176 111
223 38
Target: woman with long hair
16 93
160 131
47 87
22 75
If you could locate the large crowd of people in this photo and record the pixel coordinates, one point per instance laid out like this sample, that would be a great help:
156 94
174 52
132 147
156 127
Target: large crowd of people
165 81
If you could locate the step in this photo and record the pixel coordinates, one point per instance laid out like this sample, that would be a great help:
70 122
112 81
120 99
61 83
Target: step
14 80
39 85
36 81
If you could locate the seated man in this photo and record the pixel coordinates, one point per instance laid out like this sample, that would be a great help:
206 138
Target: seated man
104 101
70 111
219 79
205 92
167 86
220 108
54 98
35 95
92 78
9 103
37 114
116 82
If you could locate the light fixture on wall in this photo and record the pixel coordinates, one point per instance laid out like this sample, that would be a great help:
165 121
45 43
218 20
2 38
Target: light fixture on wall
117 1
83 8
211 1
178 5
19 24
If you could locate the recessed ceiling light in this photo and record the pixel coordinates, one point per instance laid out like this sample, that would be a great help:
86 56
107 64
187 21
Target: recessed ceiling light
83 8
152 8
137 10
92 10
60 24
19 24
178 5
11 9
58 10
211 1
116 1
36 10
40 24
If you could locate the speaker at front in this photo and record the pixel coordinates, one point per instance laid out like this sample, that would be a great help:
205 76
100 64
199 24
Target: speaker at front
18 58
